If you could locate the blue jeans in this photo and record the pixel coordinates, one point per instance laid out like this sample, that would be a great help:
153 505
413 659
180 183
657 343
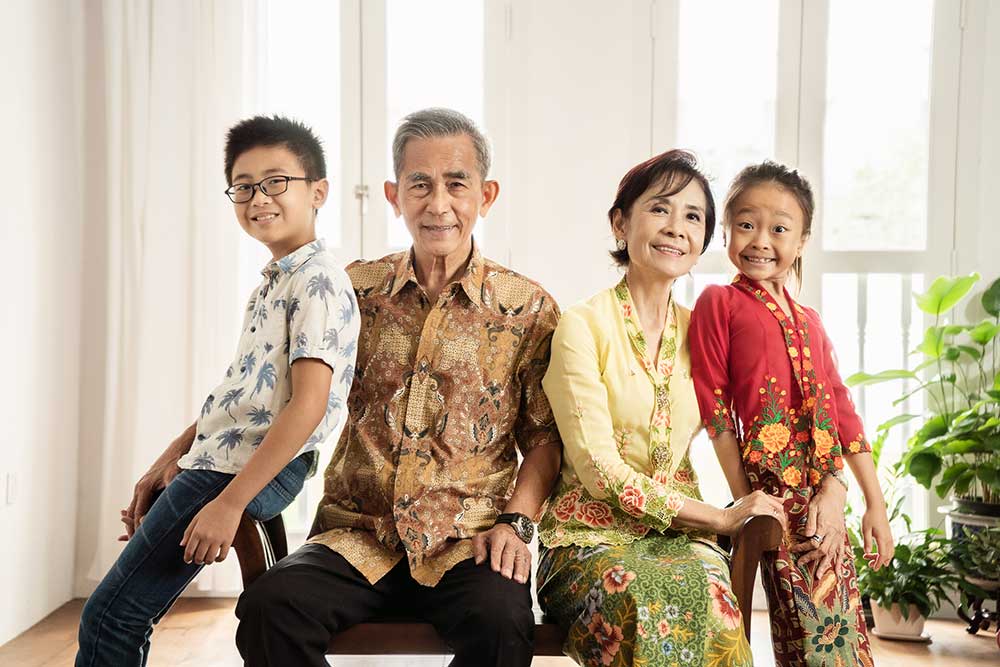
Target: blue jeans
150 573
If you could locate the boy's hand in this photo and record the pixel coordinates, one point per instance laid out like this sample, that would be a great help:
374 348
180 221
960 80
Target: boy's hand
875 524
827 523
161 473
211 532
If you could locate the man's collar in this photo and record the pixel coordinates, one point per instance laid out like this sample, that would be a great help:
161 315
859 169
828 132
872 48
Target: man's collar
471 281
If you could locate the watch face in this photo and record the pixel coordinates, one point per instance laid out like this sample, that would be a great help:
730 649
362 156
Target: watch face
525 529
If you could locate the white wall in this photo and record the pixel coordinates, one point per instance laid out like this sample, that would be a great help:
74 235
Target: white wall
978 242
41 233
576 115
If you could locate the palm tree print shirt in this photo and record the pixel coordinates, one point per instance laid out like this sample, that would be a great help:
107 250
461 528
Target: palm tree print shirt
303 308
446 393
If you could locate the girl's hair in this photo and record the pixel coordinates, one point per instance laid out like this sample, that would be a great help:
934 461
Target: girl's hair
782 176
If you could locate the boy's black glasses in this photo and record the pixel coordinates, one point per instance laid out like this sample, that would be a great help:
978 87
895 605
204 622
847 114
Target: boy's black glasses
241 193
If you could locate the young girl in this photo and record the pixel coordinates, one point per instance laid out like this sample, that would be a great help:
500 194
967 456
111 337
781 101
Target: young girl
782 421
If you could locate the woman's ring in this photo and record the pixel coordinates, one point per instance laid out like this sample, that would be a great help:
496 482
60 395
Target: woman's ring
818 539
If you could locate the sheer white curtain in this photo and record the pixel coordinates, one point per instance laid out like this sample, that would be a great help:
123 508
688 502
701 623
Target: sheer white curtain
176 74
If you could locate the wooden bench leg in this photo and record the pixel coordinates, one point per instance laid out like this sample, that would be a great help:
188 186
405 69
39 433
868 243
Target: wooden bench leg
259 546
758 535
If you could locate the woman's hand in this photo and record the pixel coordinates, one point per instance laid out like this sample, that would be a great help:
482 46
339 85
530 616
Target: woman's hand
211 532
824 546
753 504
875 525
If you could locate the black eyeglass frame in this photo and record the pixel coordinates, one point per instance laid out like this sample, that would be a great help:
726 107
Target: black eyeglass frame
231 193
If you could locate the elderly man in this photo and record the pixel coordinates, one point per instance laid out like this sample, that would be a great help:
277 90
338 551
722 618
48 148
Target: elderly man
448 388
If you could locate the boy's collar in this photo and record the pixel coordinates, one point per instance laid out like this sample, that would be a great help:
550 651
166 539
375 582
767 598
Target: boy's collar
293 260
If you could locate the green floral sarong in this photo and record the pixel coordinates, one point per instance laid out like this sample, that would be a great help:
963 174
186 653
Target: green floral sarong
664 600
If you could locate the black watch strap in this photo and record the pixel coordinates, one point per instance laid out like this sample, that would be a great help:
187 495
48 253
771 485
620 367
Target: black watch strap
522 524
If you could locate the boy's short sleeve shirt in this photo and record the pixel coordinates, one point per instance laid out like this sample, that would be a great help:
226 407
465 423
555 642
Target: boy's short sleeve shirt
305 307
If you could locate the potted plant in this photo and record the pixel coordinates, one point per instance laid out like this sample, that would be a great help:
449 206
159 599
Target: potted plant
911 587
958 443
956 449
975 555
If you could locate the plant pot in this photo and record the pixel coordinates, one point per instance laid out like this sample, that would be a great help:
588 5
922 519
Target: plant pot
975 507
890 624
962 518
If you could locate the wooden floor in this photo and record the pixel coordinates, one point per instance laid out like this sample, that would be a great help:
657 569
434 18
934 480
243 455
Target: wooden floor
199 631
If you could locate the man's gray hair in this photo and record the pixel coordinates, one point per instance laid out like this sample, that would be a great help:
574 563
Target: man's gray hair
439 122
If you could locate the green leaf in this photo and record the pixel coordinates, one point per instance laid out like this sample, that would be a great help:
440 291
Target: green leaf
932 428
924 467
952 329
984 332
898 419
944 293
962 446
951 353
862 379
991 443
991 299
951 476
963 483
996 382
967 421
971 351
953 472
988 474
933 343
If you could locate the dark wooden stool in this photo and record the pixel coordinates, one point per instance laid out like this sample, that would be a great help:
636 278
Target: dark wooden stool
259 545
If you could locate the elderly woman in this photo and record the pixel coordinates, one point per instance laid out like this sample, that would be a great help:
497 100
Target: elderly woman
628 561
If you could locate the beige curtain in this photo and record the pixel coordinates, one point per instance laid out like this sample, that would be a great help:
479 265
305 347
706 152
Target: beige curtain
164 315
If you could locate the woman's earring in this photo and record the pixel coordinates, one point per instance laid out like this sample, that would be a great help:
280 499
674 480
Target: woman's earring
621 244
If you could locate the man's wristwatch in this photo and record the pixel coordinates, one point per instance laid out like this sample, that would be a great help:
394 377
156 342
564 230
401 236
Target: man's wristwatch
522 524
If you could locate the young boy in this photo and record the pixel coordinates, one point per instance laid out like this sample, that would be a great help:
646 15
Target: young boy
255 441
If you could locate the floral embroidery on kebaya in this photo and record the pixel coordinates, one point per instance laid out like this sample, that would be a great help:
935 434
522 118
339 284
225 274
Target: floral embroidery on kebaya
780 430
659 372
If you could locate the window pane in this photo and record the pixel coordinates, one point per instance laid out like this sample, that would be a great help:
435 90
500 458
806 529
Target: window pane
727 86
446 38
873 324
877 134
293 49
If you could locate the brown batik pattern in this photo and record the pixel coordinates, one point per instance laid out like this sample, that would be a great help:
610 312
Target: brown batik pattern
444 392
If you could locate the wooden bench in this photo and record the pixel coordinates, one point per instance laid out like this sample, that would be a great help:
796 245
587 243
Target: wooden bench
259 545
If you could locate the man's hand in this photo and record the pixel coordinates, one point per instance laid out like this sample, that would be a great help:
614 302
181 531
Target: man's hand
211 532
161 473
826 522
508 555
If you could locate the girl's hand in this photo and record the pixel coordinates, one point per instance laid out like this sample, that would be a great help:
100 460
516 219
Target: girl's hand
824 545
875 525
753 504
211 532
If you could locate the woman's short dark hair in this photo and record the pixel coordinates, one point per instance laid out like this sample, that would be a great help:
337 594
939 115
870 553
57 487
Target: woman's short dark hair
676 168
